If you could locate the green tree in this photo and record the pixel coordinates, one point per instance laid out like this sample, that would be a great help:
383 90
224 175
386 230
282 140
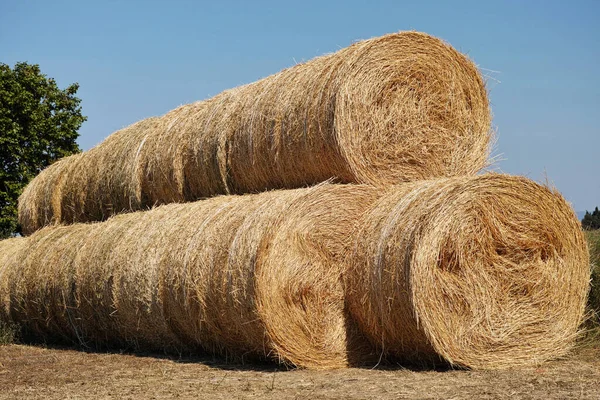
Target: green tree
591 220
38 125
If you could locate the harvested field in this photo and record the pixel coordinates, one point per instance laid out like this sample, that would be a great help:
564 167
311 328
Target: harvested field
397 108
28 372
485 272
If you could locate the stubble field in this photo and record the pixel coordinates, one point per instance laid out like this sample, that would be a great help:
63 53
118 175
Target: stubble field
33 372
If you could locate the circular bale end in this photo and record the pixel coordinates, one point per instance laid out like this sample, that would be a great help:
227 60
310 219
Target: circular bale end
485 272
411 107
40 204
299 284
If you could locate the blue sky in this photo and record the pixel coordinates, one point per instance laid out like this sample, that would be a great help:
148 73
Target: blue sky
135 59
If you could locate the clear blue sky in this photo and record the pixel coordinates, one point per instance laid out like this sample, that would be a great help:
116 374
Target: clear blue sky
135 59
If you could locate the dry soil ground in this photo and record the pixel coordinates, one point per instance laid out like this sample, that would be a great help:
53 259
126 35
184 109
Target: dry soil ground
29 372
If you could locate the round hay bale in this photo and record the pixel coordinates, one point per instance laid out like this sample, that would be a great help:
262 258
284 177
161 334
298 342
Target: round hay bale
106 180
241 295
94 277
134 268
41 281
198 284
42 201
245 276
8 249
299 286
400 107
489 271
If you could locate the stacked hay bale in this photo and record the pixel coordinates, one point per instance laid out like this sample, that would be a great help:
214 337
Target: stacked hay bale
255 275
489 271
482 271
397 108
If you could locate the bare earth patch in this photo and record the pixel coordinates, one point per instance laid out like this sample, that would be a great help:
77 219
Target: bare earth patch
31 372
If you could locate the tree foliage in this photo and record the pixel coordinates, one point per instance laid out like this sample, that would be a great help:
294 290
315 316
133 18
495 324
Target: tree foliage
591 220
38 125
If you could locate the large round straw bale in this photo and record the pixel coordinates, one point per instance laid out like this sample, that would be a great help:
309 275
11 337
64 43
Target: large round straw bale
120 270
94 277
41 281
246 284
489 271
8 249
42 200
106 180
400 107
254 276
200 285
299 284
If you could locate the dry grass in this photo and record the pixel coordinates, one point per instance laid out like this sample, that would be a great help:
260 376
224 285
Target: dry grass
401 107
483 272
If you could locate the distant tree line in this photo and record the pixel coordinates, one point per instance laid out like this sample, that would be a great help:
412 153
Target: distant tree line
591 220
